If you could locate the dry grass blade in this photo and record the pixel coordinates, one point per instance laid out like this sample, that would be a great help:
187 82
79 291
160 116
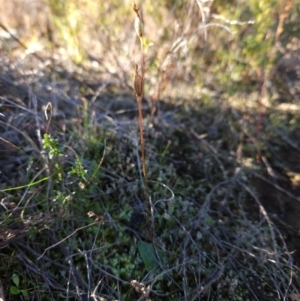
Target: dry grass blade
2 296
8 235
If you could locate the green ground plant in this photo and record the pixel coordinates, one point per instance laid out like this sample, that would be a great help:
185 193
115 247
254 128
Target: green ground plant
140 181
15 288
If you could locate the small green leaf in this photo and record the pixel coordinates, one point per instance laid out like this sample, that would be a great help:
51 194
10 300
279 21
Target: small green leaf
24 293
148 255
16 279
14 290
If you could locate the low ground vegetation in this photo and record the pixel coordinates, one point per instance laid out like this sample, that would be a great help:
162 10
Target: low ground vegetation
220 124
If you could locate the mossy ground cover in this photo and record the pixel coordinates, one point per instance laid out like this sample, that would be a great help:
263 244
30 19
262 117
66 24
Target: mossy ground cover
222 164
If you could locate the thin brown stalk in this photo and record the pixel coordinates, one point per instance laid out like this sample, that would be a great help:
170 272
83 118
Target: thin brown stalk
138 81
138 84
138 87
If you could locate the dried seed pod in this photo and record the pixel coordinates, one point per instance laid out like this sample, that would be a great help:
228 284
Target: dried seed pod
138 83
138 24
139 28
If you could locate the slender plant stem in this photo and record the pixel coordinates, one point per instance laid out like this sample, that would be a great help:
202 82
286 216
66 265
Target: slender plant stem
139 91
142 141
139 79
